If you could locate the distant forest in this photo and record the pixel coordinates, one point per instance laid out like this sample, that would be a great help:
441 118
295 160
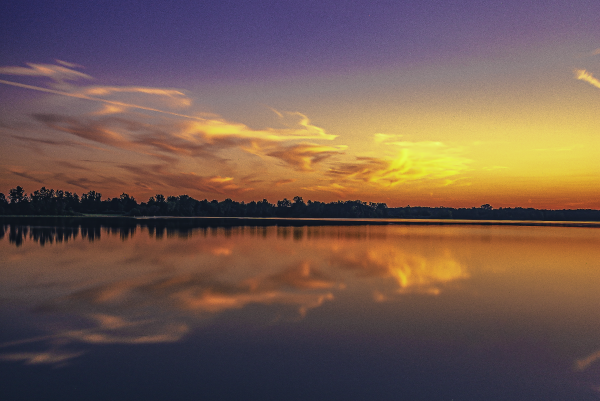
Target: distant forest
63 203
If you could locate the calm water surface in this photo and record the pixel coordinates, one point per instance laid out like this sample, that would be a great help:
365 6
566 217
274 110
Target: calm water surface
152 311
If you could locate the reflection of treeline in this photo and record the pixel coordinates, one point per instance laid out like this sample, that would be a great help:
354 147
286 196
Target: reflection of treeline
49 229
51 202
48 235
57 229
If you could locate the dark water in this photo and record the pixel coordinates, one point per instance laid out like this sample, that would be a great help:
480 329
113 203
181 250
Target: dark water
142 311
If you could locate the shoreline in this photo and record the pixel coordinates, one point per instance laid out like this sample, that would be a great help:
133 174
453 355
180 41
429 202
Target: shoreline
202 221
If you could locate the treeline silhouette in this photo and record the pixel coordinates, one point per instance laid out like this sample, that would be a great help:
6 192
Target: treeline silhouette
63 203
50 202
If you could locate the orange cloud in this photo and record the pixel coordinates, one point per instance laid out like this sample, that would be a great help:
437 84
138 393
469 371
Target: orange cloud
118 104
110 109
299 126
215 129
414 161
176 98
185 144
199 138
96 131
135 136
158 175
27 175
304 156
143 332
71 166
586 76
340 190
583 363
308 130
203 139
380 138
55 72
284 181
38 358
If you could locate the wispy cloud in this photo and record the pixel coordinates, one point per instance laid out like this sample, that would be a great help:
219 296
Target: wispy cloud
586 76
58 73
158 128
96 131
204 139
307 130
298 125
414 161
381 138
583 363
174 98
110 109
168 147
116 330
87 183
284 181
27 175
334 188
51 357
216 129
67 64
117 104
304 156
106 90
159 175
71 166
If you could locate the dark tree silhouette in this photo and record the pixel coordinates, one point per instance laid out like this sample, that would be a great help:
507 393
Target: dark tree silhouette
91 202
17 195
285 202
51 202
3 204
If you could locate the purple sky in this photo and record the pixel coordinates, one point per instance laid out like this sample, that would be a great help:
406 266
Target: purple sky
175 42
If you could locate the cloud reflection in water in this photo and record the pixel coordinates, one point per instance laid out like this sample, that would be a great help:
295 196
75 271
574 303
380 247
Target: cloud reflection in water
137 286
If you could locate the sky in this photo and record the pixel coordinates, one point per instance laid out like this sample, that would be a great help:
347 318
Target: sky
421 103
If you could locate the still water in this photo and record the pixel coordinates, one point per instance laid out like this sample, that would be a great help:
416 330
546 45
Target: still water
154 310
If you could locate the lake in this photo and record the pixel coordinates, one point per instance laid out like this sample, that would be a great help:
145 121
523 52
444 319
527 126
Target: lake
155 309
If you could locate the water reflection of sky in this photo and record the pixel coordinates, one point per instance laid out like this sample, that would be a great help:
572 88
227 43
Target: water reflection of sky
401 311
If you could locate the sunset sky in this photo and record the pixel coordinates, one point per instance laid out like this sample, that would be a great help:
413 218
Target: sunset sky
428 103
